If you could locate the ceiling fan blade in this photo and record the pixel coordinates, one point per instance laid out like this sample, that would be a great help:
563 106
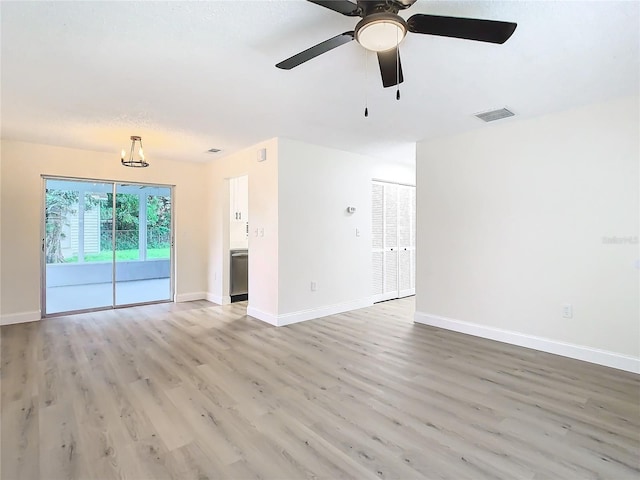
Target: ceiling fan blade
344 7
468 28
390 71
316 50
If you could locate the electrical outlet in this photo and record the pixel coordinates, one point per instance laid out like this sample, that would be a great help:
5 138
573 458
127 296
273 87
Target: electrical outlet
314 286
567 310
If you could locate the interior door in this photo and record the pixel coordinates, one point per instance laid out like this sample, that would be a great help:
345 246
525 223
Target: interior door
377 236
390 242
393 240
406 240
384 252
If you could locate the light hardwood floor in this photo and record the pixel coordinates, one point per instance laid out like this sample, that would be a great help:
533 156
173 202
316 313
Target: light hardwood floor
195 390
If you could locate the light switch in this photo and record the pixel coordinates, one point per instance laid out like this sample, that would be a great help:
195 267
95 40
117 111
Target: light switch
262 232
357 232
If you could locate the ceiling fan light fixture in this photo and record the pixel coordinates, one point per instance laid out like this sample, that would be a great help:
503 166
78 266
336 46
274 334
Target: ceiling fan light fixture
380 32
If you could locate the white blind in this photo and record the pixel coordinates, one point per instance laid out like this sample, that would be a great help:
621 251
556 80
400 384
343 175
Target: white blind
391 216
390 271
377 218
405 269
413 268
378 272
413 216
404 216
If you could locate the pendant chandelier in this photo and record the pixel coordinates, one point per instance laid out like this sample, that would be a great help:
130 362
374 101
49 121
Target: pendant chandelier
136 156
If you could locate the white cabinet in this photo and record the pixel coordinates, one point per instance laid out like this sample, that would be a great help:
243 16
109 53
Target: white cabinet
239 199
393 236
239 212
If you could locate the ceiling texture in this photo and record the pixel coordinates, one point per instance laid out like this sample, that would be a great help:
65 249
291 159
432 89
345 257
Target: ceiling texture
190 76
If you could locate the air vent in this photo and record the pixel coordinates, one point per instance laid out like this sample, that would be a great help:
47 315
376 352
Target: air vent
214 150
494 115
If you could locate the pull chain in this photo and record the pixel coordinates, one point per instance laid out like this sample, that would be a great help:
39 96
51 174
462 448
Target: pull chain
397 66
366 78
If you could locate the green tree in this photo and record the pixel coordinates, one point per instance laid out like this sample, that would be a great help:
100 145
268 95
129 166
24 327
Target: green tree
128 224
158 221
59 205
127 210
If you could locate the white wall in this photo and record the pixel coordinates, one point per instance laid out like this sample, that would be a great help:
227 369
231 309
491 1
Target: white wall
21 210
298 197
511 222
317 237
263 214
315 242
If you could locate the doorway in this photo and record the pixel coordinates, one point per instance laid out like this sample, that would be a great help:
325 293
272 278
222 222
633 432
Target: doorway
105 245
239 238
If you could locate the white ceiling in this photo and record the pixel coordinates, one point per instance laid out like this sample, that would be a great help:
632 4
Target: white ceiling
188 76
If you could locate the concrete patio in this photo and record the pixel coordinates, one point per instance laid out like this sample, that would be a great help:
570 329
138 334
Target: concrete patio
96 295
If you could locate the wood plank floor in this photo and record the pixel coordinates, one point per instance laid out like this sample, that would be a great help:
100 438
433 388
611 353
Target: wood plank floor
195 391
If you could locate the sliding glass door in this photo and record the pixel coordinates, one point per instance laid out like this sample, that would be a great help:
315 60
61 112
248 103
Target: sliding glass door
105 245
142 243
78 269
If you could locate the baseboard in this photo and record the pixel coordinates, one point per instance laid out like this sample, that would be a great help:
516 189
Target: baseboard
190 297
220 300
24 317
264 316
578 352
310 314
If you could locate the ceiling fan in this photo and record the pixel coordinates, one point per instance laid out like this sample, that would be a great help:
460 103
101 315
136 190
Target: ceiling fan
381 30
